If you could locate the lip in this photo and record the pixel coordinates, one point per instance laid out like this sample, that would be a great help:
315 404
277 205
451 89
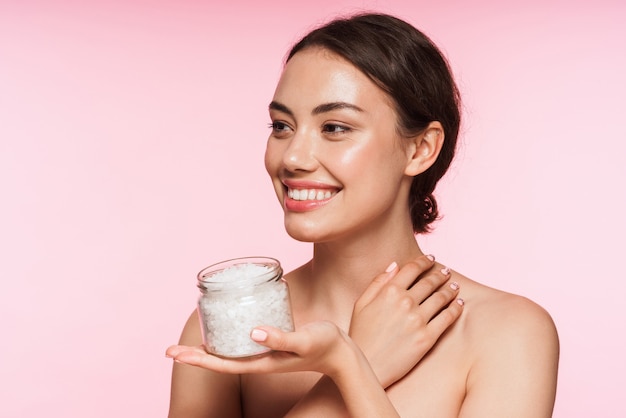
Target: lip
306 205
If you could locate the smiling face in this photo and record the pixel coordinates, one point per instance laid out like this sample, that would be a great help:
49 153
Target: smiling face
334 154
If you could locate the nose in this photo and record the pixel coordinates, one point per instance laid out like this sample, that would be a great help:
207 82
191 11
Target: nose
300 153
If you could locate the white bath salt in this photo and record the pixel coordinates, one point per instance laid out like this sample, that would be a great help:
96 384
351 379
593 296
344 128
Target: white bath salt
229 316
240 272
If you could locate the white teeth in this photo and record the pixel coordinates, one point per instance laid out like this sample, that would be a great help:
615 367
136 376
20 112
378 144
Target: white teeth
309 194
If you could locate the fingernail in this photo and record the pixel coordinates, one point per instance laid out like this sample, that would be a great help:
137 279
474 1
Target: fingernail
460 301
445 271
454 286
430 257
258 335
391 267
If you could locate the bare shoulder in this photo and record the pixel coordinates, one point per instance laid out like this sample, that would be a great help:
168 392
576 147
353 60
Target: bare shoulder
512 350
497 317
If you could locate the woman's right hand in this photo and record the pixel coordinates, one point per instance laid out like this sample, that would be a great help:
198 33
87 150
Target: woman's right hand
402 314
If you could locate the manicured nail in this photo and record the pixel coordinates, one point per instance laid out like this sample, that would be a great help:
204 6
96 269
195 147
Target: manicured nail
460 301
454 285
258 335
391 267
445 271
430 257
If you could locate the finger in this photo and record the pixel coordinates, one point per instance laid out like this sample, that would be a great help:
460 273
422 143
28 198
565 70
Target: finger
278 340
412 270
273 338
374 287
302 342
439 300
446 317
428 283
197 356
174 350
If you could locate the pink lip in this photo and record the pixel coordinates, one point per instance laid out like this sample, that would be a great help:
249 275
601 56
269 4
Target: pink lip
306 205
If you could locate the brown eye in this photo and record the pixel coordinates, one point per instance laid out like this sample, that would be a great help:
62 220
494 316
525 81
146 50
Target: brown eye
333 128
279 128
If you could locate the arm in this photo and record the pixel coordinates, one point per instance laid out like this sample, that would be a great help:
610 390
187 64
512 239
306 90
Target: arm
318 346
359 387
392 314
515 372
197 392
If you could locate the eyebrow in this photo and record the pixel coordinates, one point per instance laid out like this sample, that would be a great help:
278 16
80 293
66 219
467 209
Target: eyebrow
323 108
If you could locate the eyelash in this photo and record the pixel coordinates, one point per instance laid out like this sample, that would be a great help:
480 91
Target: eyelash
343 129
329 128
275 125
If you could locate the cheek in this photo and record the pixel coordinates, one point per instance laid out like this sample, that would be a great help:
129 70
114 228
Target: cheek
351 156
272 161
347 156
270 158
368 157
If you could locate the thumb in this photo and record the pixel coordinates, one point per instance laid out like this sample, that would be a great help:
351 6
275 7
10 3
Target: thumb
309 338
273 338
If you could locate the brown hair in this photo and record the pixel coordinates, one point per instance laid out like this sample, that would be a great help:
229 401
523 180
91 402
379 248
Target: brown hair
408 66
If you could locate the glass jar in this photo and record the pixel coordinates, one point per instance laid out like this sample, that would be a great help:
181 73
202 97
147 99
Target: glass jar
238 295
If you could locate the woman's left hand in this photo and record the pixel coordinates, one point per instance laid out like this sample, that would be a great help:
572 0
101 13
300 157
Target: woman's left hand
317 346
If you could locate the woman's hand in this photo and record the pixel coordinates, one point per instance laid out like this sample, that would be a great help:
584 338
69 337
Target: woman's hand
395 323
318 346
402 314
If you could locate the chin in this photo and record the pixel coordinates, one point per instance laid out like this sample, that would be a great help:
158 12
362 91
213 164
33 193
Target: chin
302 236
306 233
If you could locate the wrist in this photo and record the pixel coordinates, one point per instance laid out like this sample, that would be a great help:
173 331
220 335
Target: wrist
351 366
358 385
343 359
380 372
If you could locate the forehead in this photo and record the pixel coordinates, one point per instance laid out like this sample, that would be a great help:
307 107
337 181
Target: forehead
315 75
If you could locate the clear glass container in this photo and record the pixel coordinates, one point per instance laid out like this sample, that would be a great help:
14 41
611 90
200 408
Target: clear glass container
238 295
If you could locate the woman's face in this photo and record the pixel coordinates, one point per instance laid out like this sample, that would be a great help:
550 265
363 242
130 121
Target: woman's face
334 155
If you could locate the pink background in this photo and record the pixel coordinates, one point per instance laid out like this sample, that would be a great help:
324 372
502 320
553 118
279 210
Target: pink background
131 143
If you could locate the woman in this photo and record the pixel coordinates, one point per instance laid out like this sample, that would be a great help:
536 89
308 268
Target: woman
365 119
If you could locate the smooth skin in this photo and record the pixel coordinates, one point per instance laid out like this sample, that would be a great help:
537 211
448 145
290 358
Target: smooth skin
323 347
423 311
496 356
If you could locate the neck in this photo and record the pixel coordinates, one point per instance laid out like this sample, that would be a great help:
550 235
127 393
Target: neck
341 270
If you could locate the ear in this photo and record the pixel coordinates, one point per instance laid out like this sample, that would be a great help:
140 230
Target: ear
424 149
